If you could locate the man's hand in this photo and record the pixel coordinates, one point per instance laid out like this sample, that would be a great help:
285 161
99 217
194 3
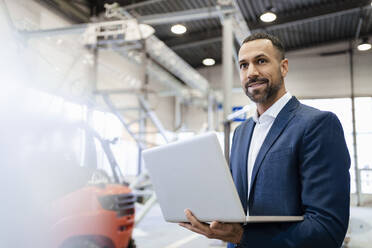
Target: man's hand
230 232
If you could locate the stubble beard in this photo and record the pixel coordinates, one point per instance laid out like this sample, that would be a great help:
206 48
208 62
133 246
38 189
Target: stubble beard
262 96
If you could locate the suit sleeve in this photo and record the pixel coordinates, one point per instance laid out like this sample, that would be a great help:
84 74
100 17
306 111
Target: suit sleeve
324 164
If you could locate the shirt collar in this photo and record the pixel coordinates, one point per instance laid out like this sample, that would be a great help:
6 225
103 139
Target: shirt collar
272 112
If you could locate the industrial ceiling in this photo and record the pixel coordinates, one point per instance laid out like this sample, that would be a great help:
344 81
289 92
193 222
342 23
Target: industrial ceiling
299 23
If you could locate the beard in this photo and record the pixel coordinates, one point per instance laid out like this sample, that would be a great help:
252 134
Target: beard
262 96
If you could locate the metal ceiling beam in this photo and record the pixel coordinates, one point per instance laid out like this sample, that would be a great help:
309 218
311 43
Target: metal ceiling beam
73 29
315 14
241 28
141 4
327 42
71 8
66 9
359 26
197 43
185 15
195 38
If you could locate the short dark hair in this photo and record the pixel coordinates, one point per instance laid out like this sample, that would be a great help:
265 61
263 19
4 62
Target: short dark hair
277 43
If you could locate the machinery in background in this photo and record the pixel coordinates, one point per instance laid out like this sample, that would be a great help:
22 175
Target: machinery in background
74 205
101 213
99 216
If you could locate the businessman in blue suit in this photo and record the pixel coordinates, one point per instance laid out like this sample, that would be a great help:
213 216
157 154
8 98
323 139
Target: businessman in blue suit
288 159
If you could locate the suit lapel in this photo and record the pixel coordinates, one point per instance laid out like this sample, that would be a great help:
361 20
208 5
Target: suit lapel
280 122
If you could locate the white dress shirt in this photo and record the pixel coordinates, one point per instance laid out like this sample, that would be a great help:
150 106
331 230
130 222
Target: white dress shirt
263 125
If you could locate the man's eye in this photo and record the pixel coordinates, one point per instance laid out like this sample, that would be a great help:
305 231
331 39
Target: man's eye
261 61
243 65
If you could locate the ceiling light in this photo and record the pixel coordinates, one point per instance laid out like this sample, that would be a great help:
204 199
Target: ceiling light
178 29
268 16
208 62
364 45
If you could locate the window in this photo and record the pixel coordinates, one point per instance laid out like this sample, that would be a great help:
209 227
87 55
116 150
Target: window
363 117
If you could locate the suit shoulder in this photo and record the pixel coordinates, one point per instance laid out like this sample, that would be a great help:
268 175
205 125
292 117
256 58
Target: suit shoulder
309 113
312 119
244 124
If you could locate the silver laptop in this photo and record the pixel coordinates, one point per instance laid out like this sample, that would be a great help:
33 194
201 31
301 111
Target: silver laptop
193 174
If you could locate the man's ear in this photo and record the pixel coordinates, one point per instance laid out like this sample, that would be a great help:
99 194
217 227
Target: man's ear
284 67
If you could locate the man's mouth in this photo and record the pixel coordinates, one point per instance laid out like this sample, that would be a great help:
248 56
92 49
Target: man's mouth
256 84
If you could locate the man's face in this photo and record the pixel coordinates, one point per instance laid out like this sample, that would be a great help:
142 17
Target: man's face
261 70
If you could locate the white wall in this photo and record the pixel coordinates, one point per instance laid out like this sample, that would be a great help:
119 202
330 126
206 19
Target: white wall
315 76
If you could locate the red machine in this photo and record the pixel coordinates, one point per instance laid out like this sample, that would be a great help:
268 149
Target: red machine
86 207
93 216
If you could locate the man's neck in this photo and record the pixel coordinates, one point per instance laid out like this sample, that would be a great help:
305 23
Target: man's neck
262 107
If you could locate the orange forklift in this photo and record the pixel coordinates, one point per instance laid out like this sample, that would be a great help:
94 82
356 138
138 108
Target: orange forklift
89 209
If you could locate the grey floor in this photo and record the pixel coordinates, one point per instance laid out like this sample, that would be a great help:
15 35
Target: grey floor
154 232
360 227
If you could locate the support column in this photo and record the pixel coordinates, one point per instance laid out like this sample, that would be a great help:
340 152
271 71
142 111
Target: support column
177 112
142 124
228 76
211 112
89 149
227 64
355 150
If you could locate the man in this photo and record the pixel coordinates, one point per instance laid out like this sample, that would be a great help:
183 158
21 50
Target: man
288 159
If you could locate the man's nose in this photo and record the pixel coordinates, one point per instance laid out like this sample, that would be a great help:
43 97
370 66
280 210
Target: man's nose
252 71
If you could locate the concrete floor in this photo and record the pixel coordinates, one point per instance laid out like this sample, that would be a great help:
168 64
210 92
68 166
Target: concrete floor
360 227
154 232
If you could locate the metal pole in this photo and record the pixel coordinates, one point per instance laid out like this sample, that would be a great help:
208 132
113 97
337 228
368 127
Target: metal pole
227 64
227 77
226 130
148 205
7 15
151 114
177 113
142 113
95 69
210 111
356 170
140 135
90 154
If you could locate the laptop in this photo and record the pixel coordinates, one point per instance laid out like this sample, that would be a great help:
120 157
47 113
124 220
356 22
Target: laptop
193 174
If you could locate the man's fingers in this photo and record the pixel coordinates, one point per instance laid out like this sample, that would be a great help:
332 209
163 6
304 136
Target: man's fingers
216 230
191 228
221 229
198 226
225 229
217 225
195 222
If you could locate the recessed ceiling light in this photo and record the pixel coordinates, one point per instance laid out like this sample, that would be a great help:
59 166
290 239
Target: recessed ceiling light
208 62
178 29
364 46
268 16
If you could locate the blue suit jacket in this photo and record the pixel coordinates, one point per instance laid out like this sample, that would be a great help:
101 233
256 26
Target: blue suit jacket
302 168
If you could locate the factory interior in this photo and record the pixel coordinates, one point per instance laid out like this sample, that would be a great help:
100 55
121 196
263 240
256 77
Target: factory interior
89 85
